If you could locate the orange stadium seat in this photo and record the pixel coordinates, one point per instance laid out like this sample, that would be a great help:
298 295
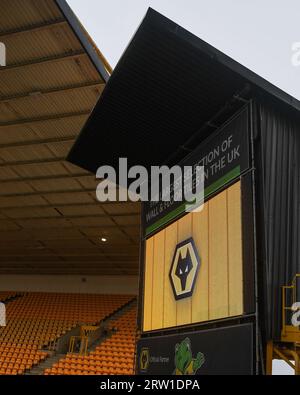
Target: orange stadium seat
35 321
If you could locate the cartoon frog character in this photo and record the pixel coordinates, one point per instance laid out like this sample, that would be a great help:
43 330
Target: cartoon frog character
185 364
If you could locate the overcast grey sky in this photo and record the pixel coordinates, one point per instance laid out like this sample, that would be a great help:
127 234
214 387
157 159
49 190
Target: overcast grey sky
257 33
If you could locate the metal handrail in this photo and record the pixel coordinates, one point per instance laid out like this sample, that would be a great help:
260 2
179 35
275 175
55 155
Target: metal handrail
84 344
285 308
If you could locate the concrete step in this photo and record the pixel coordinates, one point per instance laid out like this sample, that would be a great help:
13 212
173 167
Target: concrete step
47 364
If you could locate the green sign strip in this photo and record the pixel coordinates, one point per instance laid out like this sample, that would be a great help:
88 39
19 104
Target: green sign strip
231 175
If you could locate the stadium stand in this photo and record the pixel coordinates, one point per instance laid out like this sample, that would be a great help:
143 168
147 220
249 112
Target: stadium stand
114 356
37 320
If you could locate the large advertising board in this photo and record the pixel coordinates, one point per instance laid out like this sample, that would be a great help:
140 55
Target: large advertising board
222 351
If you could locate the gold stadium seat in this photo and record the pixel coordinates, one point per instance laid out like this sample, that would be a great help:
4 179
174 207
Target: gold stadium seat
37 320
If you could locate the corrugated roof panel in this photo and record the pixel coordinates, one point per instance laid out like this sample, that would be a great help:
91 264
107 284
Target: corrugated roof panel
89 182
42 170
67 184
34 260
15 188
111 233
53 79
133 231
85 259
81 210
69 198
68 243
63 102
49 41
60 149
123 208
78 251
73 169
8 174
127 220
60 127
32 152
57 234
92 222
16 244
32 212
44 76
16 133
44 223
8 225
22 201
15 235
65 127
35 12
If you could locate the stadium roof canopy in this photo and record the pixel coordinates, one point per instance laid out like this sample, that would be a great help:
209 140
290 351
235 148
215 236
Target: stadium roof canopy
169 91
50 221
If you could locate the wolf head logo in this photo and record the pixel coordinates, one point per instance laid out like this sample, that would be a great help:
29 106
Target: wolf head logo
184 269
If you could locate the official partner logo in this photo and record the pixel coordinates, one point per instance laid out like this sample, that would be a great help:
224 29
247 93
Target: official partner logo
144 359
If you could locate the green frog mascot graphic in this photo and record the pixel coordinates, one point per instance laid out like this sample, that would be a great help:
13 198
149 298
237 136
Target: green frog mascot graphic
185 364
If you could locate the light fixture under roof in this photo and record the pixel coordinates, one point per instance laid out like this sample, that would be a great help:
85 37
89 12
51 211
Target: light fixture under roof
103 239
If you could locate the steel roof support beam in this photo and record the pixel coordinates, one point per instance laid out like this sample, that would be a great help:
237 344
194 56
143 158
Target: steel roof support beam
33 162
44 118
39 142
92 84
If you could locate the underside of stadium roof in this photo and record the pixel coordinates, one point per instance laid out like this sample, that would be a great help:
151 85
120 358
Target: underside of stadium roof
50 219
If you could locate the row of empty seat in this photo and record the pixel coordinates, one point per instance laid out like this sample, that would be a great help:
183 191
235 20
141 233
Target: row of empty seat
17 359
114 356
35 321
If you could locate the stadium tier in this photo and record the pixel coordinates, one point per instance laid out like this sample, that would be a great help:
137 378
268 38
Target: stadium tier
36 321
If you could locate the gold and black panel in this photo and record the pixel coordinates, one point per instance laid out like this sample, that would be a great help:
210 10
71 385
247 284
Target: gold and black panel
212 243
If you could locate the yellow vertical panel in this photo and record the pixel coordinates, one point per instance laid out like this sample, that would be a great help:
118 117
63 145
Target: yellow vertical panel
218 257
184 306
235 250
200 295
148 285
169 299
158 280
